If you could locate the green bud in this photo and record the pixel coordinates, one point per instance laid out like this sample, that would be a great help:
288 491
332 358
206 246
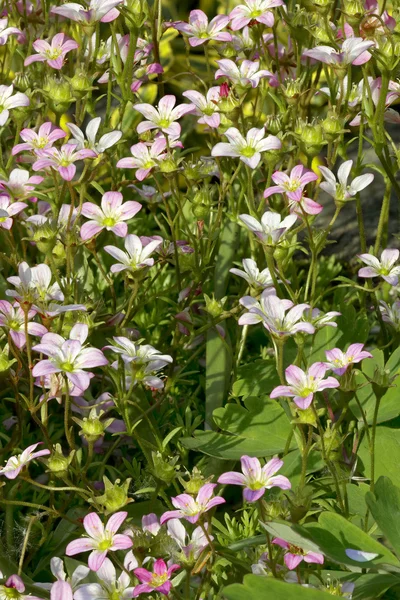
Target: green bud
80 84
332 126
168 166
195 482
59 94
165 470
311 137
354 11
214 307
22 81
273 124
92 427
45 237
136 13
115 496
292 91
201 211
306 416
58 464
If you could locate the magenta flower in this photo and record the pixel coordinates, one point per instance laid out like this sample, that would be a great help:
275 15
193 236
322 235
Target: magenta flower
354 51
8 211
19 184
303 385
295 555
190 509
247 149
247 74
144 158
12 318
70 356
199 30
110 216
8 101
14 587
253 10
292 185
101 539
256 479
53 54
136 255
62 160
385 267
339 361
98 10
43 139
206 106
157 581
15 464
163 117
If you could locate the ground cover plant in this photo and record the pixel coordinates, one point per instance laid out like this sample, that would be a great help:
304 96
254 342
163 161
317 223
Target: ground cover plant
199 399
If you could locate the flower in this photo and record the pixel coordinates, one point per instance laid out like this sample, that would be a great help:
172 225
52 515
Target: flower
391 314
44 138
191 546
271 228
15 464
150 524
63 589
13 319
199 30
247 74
106 141
19 184
360 555
110 216
156 581
338 189
253 10
353 51
292 185
256 479
190 509
68 356
163 117
14 588
136 256
62 160
7 211
53 54
207 106
8 101
339 361
295 555
109 586
303 385
6 31
319 319
34 284
144 158
98 10
249 149
255 278
101 539
385 267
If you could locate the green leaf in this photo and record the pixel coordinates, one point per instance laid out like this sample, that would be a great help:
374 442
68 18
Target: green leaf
294 534
387 454
263 588
255 379
384 505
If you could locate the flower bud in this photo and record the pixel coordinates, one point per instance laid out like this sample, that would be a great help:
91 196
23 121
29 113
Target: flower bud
168 166
292 90
80 84
273 124
354 12
195 482
22 81
115 496
201 211
332 126
59 94
45 238
311 137
214 307
165 470
306 416
92 427
57 463
137 12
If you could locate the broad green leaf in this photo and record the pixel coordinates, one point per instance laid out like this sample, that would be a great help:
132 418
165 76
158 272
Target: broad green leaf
389 406
387 454
256 379
384 505
294 534
368 586
267 588
292 466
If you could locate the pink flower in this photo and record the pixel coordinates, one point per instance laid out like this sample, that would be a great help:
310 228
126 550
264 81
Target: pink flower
292 185
303 385
136 255
256 479
144 158
8 101
98 10
6 31
53 54
15 464
12 318
69 356
295 555
110 216
246 75
7 211
150 523
353 51
163 117
14 588
20 185
207 106
141 75
253 10
385 267
247 149
101 539
190 509
157 581
62 160
199 30
44 138
339 361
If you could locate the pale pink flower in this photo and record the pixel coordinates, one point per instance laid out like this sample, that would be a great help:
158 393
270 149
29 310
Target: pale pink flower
319 319
164 117
391 314
20 184
54 53
6 31
339 361
136 255
12 318
247 149
15 464
253 10
354 51
259 280
101 539
110 587
98 10
14 587
34 284
157 581
191 546
385 267
191 509
206 106
295 555
256 479
70 356
339 188
144 158
8 101
272 227
199 30
44 138
8 211
111 216
292 185
247 74
151 524
62 160
304 384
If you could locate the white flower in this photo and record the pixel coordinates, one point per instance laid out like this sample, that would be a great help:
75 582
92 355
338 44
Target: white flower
247 149
109 587
251 273
247 74
106 141
271 228
136 255
338 188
